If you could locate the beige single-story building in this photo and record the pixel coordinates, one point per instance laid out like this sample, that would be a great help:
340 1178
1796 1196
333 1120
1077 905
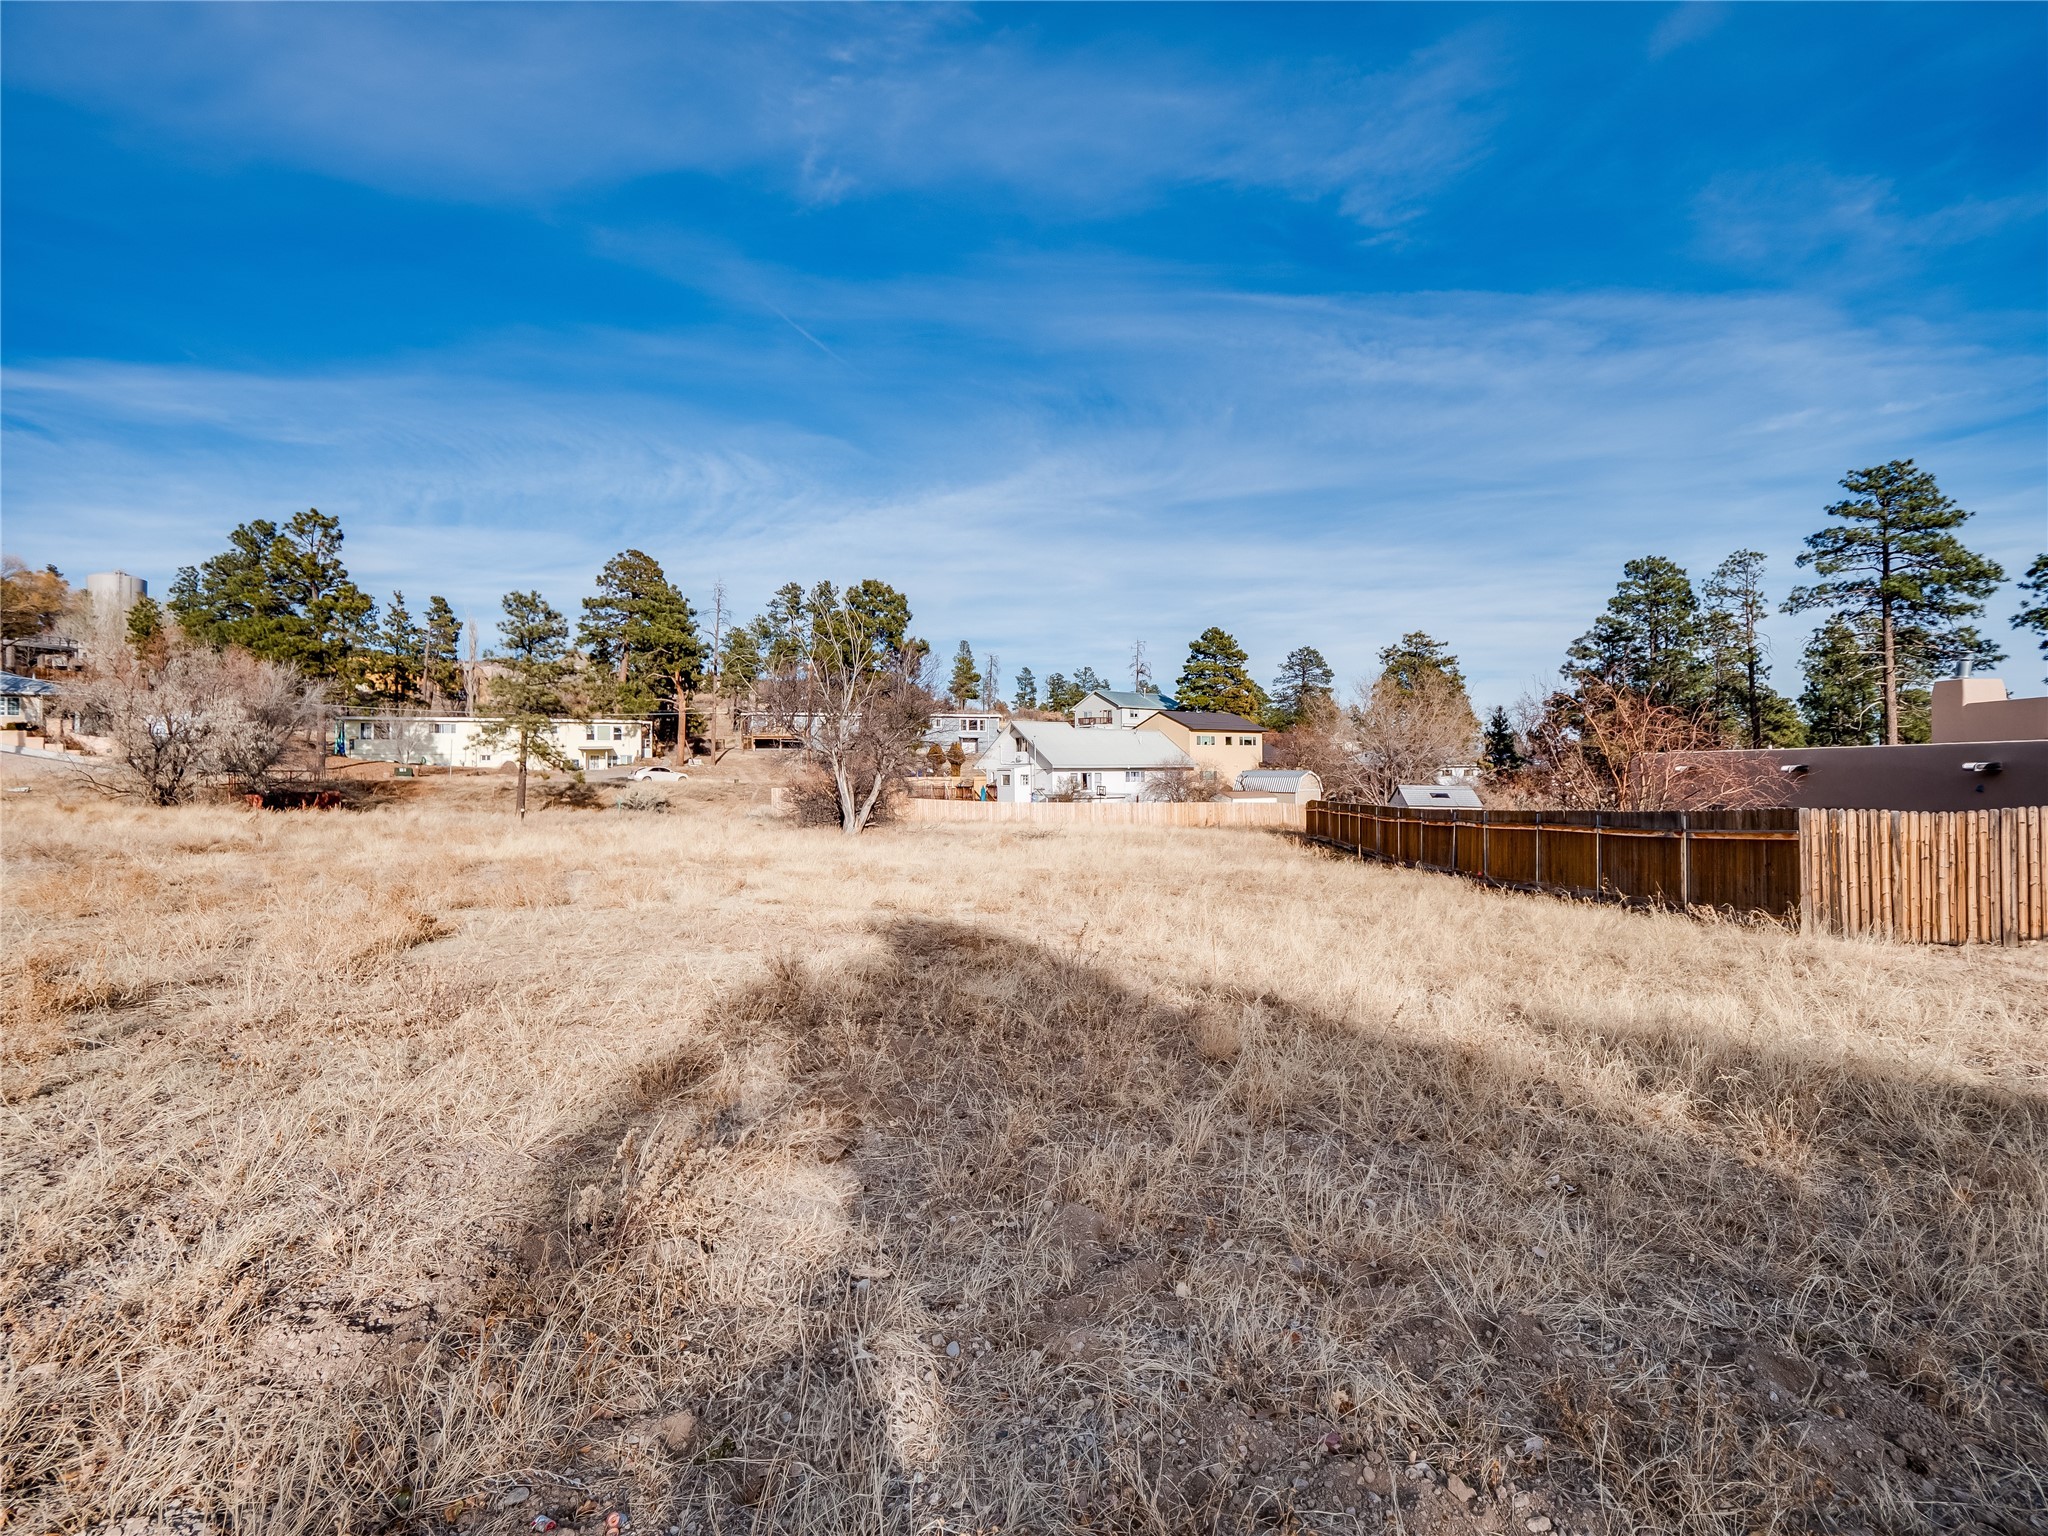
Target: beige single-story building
456 741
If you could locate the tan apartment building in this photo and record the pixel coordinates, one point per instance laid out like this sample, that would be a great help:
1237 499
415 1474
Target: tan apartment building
1223 744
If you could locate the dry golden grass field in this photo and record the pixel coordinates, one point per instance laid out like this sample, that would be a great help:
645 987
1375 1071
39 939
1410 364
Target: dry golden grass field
410 1169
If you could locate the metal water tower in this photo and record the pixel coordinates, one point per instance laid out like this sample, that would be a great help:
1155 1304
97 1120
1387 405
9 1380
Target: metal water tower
115 591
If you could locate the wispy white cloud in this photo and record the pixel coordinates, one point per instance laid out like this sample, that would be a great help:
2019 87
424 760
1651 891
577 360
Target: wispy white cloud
1789 218
1685 23
1136 458
529 102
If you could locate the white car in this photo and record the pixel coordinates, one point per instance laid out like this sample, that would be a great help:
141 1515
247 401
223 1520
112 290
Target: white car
656 771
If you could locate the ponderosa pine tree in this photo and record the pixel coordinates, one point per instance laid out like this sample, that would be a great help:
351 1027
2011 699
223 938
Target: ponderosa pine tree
442 639
1305 679
1416 656
1060 694
964 686
1026 693
528 695
402 644
641 631
1214 677
2034 616
1738 656
739 662
1648 641
1895 561
279 593
1843 700
145 624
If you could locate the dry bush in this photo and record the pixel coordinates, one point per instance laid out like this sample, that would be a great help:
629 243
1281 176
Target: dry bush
1238 1176
1189 786
1607 748
812 796
188 718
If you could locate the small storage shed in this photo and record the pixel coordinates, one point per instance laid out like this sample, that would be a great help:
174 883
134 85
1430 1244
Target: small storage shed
1292 786
1441 797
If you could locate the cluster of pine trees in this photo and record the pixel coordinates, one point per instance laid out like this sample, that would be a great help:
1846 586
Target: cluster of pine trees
1901 595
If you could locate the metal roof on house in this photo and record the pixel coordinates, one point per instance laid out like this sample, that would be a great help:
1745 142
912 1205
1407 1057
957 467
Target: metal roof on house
1131 700
30 687
1082 749
1211 720
1442 797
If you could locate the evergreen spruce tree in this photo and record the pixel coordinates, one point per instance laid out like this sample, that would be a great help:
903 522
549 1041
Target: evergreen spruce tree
1305 680
282 593
1649 639
1061 695
964 686
1895 562
1214 677
2035 615
1026 694
1502 746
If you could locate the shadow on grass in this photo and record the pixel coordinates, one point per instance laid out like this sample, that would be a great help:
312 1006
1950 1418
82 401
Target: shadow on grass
983 1233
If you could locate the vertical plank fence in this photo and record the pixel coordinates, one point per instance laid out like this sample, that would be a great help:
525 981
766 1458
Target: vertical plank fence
1926 877
1962 877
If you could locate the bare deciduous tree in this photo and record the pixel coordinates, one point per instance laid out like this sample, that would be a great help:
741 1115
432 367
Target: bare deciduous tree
1407 733
189 718
859 698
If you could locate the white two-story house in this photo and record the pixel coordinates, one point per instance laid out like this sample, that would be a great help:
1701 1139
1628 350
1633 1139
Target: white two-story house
1107 706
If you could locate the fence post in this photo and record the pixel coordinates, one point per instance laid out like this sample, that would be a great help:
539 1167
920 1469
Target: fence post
1684 861
1539 850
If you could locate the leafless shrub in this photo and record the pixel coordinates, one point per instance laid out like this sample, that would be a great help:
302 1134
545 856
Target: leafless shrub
1608 748
190 718
812 796
1183 786
638 799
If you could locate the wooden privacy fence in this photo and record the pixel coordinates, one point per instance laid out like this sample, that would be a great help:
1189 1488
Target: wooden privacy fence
1113 813
1927 877
1950 877
1743 861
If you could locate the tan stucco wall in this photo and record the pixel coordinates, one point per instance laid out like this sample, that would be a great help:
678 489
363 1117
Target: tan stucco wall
1977 709
1225 762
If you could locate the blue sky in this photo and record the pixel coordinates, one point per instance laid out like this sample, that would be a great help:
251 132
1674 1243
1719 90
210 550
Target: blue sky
1080 324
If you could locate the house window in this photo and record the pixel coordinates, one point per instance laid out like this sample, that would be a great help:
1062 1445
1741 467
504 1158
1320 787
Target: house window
1205 741
1006 778
618 733
1133 775
444 727
10 706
